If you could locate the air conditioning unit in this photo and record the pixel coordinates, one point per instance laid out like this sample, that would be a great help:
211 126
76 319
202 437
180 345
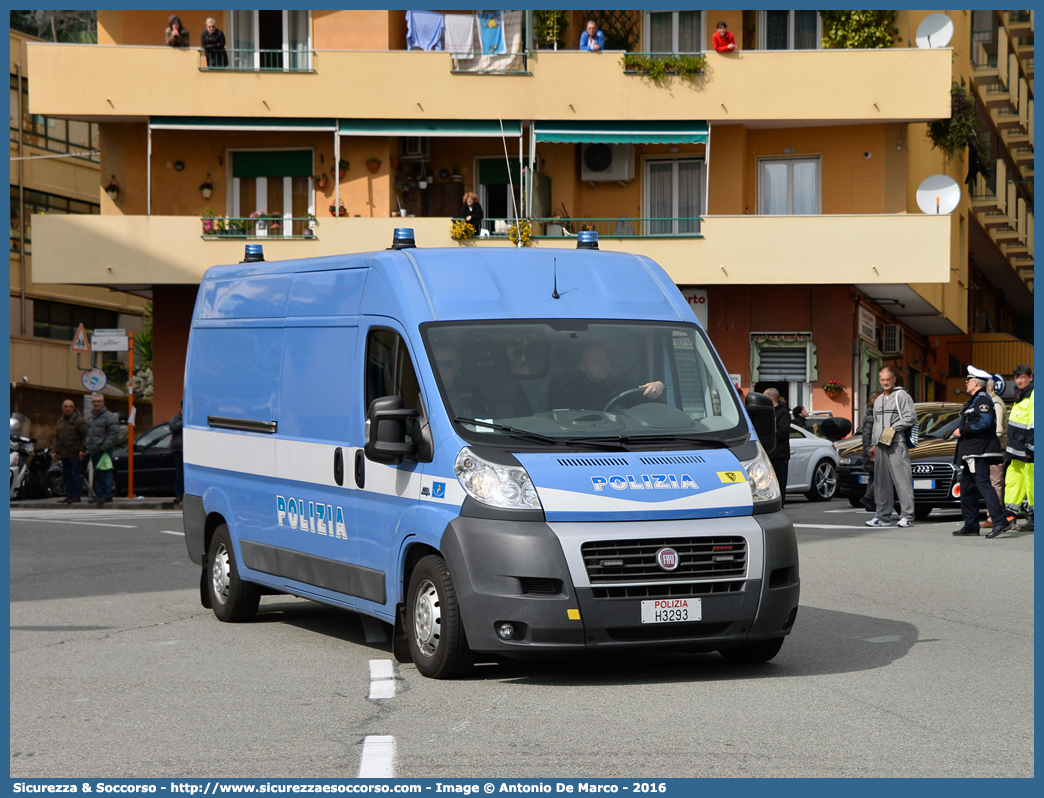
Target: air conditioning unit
891 339
414 147
603 162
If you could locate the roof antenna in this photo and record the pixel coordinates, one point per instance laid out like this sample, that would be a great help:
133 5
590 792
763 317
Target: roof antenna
554 293
511 187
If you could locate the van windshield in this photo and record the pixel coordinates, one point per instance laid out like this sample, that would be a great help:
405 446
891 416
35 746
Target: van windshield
564 381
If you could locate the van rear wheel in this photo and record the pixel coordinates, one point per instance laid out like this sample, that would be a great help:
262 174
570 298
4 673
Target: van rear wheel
232 599
433 625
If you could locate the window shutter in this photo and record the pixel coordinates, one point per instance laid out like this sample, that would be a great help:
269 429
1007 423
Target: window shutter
790 365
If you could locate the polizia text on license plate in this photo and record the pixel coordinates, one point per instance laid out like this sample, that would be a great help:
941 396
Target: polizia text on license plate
672 610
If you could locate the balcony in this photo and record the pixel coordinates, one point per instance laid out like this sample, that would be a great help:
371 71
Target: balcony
135 82
285 60
731 250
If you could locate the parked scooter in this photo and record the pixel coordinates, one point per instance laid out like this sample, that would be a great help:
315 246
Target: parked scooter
54 480
29 465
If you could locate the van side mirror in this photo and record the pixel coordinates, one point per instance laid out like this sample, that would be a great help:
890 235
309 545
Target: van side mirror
387 441
834 429
763 416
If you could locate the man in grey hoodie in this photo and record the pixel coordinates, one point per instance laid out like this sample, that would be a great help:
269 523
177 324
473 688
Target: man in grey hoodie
103 430
894 415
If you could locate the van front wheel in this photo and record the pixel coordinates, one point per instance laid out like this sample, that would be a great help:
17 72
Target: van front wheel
232 599
433 626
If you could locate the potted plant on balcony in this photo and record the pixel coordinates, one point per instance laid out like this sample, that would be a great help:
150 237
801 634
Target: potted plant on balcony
207 216
832 388
342 168
320 180
461 230
548 27
373 164
207 187
520 232
338 209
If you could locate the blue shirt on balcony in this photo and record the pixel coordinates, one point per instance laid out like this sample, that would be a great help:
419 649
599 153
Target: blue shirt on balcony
424 30
585 40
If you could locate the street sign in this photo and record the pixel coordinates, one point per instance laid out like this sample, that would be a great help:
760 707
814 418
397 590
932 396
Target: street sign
79 342
109 341
94 380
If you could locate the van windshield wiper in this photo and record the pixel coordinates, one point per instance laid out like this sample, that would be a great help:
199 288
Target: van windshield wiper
609 443
706 441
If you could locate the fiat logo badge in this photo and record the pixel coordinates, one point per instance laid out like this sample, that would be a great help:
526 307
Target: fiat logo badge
667 559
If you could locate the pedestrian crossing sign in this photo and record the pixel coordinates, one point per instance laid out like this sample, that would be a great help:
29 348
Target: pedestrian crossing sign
79 342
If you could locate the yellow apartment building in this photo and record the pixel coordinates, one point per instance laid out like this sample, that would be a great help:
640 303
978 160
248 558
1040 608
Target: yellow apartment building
54 172
776 184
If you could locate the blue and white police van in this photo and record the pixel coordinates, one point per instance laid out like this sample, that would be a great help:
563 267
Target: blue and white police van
500 452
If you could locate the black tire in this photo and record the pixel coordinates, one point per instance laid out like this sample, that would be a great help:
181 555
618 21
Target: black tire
855 501
232 599
753 653
434 629
55 484
921 511
824 482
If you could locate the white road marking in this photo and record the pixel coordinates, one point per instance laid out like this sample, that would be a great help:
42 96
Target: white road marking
76 523
169 532
378 757
850 510
87 513
374 630
382 678
831 526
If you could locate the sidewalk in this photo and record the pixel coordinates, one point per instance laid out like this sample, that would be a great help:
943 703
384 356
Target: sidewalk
142 503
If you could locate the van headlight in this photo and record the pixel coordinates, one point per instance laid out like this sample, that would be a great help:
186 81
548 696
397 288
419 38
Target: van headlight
764 487
495 485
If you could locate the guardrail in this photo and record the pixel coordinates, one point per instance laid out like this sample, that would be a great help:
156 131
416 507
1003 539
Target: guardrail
257 60
215 228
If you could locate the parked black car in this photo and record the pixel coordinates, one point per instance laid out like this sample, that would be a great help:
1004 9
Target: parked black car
936 479
153 464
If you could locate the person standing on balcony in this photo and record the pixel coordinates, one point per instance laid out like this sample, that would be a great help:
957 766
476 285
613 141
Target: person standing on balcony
472 211
724 42
1019 478
213 42
894 415
592 39
176 35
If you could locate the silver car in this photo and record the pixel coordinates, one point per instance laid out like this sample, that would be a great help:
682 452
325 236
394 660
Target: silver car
813 466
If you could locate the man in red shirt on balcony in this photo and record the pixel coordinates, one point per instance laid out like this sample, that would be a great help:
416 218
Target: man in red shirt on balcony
724 42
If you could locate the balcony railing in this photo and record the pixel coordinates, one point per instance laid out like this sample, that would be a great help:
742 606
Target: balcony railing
619 227
215 228
257 60
984 48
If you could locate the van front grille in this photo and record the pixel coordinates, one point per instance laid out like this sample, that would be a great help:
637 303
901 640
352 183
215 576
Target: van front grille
680 589
622 561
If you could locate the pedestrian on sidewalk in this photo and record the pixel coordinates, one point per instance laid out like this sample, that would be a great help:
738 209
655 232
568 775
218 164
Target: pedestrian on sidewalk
894 416
70 445
103 430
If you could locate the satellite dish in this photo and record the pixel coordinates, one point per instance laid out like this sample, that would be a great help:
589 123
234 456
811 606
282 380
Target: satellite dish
938 194
935 31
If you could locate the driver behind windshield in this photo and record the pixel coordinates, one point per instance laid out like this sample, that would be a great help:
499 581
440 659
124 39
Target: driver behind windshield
593 386
465 399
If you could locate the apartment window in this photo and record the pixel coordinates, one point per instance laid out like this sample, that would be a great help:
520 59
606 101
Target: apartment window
59 320
275 40
272 182
674 31
790 30
789 186
56 135
41 202
674 195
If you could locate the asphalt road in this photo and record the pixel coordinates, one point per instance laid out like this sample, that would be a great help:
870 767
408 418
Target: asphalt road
912 656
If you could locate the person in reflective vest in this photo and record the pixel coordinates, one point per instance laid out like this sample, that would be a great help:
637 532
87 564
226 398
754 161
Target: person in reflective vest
1018 482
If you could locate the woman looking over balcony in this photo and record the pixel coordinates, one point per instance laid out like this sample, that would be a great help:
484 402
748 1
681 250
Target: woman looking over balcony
176 35
472 211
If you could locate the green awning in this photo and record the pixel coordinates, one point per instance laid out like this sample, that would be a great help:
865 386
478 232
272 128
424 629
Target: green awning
622 132
238 123
430 127
494 172
272 163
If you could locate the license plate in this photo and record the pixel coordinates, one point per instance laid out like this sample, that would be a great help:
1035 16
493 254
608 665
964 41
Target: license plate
864 479
924 484
672 610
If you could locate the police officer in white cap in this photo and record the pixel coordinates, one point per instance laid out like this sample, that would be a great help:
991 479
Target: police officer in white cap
977 449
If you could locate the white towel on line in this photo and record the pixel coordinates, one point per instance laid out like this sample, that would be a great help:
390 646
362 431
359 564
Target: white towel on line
460 33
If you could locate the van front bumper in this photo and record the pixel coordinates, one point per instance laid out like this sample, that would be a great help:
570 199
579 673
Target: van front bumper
531 574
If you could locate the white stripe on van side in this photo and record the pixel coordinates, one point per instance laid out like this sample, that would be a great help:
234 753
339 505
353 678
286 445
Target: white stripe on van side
243 453
312 464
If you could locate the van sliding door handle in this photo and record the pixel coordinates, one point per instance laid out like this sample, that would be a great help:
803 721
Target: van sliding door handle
360 469
339 466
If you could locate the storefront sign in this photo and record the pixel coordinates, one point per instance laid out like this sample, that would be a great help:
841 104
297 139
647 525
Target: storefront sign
867 326
697 299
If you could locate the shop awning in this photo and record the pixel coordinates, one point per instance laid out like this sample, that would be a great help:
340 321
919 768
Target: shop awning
693 132
239 123
430 127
